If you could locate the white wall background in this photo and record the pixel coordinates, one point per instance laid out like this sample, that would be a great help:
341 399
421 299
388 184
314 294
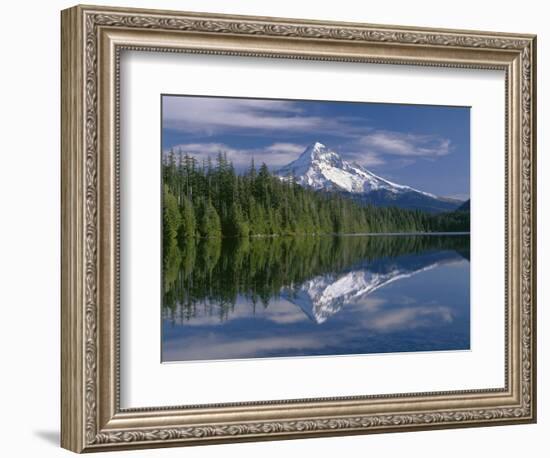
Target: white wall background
29 228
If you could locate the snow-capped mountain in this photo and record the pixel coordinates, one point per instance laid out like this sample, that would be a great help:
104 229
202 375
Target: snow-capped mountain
325 295
323 169
320 168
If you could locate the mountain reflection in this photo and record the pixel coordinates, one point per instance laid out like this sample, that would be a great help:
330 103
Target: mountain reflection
325 295
319 275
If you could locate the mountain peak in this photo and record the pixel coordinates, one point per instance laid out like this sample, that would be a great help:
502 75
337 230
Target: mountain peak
317 146
318 151
321 168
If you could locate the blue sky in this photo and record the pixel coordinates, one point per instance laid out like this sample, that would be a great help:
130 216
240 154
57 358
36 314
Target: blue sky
424 146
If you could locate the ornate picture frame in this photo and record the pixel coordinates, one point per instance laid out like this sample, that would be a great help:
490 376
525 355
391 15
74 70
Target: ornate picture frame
92 41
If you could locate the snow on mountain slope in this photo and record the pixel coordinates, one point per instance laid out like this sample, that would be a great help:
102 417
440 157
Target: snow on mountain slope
323 169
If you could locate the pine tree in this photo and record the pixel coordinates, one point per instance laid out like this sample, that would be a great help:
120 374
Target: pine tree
188 224
237 226
209 221
171 217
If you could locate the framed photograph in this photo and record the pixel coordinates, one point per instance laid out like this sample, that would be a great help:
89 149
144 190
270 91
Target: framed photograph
277 228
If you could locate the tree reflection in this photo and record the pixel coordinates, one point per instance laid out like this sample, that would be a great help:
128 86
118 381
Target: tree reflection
211 273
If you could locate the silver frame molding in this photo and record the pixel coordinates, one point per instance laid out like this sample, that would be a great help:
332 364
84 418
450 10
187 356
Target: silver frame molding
92 40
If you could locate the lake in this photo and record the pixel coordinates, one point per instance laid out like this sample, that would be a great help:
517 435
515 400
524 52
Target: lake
315 296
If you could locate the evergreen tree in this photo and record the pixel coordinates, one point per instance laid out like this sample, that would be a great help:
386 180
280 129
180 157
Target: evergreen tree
237 226
209 221
188 223
171 217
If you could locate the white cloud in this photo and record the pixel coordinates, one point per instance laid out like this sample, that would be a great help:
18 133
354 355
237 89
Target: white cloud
292 148
214 115
275 155
208 116
406 144
365 158
376 149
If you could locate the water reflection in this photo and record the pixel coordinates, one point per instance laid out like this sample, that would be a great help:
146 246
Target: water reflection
315 296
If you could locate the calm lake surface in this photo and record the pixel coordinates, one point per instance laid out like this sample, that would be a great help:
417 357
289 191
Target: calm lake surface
313 296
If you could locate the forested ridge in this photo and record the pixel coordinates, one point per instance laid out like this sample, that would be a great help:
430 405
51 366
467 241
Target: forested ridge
211 200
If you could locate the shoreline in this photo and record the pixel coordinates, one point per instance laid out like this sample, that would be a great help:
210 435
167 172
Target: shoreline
354 234
401 233
359 234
